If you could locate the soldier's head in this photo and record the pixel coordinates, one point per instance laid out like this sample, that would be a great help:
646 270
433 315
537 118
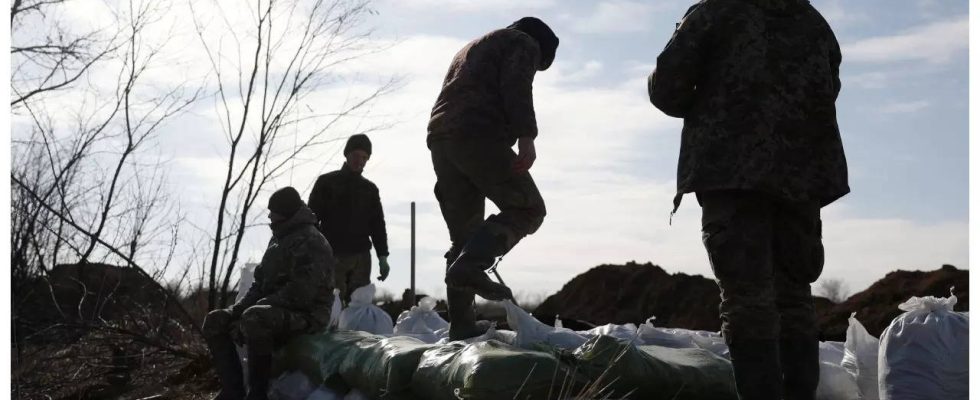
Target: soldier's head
283 204
546 39
358 152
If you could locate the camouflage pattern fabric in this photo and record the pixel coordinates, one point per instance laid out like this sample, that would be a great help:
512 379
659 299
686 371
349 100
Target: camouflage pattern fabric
292 291
765 253
756 82
470 171
487 91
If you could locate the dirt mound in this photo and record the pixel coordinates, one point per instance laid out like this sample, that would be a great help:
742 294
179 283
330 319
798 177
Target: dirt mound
630 293
633 292
877 306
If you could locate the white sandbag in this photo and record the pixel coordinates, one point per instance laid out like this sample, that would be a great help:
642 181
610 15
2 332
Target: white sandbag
420 319
363 315
246 277
832 352
861 358
355 394
335 309
626 332
925 352
530 330
664 337
836 383
292 385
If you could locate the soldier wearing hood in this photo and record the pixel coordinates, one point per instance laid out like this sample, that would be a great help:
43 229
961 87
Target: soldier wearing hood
484 108
756 83
290 296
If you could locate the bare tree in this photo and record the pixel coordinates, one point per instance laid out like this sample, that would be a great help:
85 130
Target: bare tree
834 289
291 49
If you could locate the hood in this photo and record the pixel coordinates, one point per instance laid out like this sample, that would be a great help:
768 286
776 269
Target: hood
780 7
541 33
304 216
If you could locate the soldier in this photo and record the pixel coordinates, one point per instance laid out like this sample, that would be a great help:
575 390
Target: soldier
348 208
756 82
291 295
484 108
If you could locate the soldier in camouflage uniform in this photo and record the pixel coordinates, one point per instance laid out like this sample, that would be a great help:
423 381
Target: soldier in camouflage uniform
291 295
485 107
756 82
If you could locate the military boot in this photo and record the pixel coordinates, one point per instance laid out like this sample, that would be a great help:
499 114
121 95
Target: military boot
462 318
259 366
800 358
755 363
468 271
224 357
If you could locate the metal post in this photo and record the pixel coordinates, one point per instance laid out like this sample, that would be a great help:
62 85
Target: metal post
413 256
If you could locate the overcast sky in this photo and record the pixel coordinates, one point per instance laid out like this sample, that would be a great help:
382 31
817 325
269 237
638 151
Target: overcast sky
607 158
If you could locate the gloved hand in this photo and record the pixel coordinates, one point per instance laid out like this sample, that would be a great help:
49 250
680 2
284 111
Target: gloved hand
384 268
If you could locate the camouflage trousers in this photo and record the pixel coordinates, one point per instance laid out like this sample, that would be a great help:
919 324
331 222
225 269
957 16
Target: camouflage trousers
352 271
765 253
468 172
261 327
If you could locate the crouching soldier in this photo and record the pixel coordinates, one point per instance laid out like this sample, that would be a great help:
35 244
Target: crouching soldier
291 295
485 107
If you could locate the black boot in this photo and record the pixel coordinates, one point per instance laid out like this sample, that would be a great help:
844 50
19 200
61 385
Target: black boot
755 364
800 357
224 356
462 318
259 366
468 272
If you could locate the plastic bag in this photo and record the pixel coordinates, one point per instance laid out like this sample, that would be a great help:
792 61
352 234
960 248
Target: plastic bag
625 332
836 383
245 280
325 393
530 331
384 367
293 385
488 370
421 319
335 309
925 352
654 372
363 315
861 358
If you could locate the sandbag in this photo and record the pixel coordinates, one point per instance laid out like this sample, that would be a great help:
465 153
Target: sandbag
318 357
836 383
384 367
654 372
925 352
362 315
488 370
420 319
295 385
861 358
531 332
335 309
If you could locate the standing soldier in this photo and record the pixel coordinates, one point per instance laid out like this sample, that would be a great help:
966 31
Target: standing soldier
756 82
485 107
348 208
291 295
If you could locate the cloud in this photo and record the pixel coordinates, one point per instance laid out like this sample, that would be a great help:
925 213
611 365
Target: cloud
477 5
904 107
937 43
616 16
838 15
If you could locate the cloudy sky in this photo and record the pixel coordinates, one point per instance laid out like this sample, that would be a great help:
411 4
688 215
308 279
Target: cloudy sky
607 158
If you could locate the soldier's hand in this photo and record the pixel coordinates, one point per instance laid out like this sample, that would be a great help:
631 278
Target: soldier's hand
525 154
384 268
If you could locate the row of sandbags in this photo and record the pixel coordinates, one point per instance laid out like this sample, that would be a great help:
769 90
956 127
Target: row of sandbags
923 354
402 367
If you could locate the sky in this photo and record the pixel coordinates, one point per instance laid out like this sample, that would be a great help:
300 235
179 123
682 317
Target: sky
607 158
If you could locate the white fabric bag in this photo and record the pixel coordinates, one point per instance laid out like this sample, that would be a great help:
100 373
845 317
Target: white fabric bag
362 315
925 352
861 358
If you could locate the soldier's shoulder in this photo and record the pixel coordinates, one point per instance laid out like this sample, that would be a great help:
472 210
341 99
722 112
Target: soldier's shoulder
368 184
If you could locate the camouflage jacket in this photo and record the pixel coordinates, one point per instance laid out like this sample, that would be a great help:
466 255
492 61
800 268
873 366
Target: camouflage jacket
756 82
487 91
296 272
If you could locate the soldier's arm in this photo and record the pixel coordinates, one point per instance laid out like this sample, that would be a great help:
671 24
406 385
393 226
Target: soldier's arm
672 85
252 296
516 78
318 200
379 232
308 271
